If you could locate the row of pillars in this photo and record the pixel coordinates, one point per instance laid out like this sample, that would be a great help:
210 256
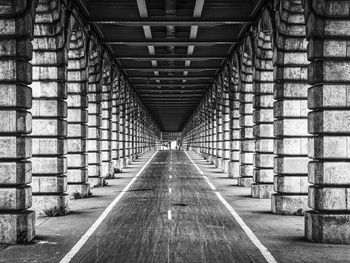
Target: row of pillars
68 118
277 118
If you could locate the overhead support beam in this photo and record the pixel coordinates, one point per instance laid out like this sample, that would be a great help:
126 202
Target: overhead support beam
167 21
168 78
174 85
168 42
164 96
166 92
172 58
171 69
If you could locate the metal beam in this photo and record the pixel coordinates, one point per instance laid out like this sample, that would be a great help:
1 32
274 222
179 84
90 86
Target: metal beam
168 21
172 58
161 78
172 42
177 85
171 69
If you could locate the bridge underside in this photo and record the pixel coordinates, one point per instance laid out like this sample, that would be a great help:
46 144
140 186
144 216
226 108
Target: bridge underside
258 89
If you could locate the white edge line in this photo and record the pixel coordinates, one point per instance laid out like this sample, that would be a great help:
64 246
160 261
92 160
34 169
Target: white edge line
264 251
68 257
169 214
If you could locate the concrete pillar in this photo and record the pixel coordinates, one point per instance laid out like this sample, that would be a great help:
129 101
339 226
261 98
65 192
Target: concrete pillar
226 142
207 127
17 223
77 129
115 124
234 116
106 126
95 118
328 25
263 114
219 123
127 126
246 115
290 110
212 130
49 133
121 134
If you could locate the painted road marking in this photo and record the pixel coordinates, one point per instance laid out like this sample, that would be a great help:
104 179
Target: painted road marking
169 190
68 257
169 214
264 251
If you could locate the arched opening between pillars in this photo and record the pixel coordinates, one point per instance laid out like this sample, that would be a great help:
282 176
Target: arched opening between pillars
263 108
247 146
77 119
49 110
290 109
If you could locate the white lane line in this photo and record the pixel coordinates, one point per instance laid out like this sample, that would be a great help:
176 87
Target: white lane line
170 176
68 257
169 190
169 214
264 251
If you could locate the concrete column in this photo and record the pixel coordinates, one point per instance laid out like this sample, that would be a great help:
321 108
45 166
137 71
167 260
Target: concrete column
49 133
127 126
106 125
121 130
95 119
17 223
246 116
328 24
132 127
234 166
122 143
115 124
290 110
212 130
77 129
207 127
226 143
219 124
263 116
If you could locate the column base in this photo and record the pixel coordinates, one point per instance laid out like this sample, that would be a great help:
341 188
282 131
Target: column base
233 169
106 172
224 165
262 191
17 227
51 205
245 181
118 168
77 191
289 204
327 228
217 162
126 161
95 182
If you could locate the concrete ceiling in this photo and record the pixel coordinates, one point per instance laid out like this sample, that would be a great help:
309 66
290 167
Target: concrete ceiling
170 50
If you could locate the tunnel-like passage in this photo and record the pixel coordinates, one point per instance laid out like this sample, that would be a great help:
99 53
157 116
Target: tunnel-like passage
255 90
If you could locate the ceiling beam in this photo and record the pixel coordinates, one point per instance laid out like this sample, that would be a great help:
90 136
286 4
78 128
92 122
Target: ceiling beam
172 58
170 69
169 21
172 42
169 78
177 85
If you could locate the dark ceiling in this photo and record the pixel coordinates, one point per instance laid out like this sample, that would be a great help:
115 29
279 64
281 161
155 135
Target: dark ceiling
170 50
